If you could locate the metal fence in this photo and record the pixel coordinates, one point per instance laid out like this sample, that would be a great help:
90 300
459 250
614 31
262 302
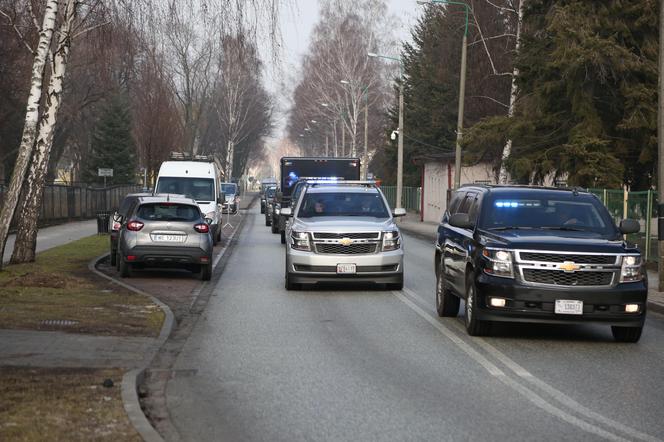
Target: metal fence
641 206
63 203
411 197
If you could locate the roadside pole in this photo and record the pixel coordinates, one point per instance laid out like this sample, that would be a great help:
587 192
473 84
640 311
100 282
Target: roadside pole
660 153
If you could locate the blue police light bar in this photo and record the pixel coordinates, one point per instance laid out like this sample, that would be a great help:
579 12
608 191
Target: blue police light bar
516 204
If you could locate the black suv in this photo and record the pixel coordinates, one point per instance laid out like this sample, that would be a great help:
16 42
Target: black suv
543 255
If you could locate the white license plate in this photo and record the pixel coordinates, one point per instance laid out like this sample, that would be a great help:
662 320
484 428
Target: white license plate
568 307
168 238
348 269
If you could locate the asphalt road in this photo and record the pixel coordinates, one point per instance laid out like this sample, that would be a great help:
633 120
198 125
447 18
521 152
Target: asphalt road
366 364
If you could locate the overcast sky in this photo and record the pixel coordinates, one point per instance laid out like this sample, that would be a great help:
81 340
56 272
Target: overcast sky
297 22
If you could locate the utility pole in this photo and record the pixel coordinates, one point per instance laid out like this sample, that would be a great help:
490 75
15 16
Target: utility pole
400 147
326 146
462 98
366 135
660 151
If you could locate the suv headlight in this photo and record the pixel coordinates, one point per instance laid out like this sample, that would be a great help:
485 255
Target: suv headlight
498 263
300 241
391 240
631 269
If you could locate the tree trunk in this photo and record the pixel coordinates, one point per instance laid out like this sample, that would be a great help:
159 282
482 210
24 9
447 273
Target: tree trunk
30 125
507 150
26 235
230 152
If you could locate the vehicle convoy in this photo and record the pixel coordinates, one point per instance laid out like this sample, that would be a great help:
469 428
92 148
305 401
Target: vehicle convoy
343 232
265 184
541 255
198 177
231 198
294 169
165 231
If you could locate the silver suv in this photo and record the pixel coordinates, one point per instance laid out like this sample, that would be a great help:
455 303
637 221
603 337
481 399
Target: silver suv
165 231
343 232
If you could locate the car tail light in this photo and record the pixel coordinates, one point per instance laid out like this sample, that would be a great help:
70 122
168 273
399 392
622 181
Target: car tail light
134 226
131 257
202 228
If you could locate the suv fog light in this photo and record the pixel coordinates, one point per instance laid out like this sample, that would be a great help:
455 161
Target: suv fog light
497 302
632 308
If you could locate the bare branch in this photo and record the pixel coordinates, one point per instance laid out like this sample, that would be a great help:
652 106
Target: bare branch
491 99
91 28
17 30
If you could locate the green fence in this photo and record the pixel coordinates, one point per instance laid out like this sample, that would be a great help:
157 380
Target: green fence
411 197
641 206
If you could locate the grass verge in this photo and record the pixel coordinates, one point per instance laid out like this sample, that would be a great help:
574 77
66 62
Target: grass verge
58 286
62 404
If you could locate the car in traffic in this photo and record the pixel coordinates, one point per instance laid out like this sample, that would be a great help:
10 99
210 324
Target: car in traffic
270 193
231 198
343 232
165 231
266 183
118 217
538 255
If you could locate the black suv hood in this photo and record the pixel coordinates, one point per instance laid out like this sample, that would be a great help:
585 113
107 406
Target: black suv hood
554 240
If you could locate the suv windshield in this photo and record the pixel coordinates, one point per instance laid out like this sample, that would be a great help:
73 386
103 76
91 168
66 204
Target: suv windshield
168 212
229 188
200 189
270 192
343 204
537 211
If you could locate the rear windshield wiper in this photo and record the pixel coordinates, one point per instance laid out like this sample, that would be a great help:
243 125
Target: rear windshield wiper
509 228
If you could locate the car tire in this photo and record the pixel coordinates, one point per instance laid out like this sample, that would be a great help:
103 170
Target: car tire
262 209
283 237
114 257
125 268
275 226
267 221
474 326
447 305
626 334
206 272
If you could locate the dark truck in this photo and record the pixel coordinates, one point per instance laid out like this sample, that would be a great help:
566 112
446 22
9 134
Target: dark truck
294 169
265 184
539 255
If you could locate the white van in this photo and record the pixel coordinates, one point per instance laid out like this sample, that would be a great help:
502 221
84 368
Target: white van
199 179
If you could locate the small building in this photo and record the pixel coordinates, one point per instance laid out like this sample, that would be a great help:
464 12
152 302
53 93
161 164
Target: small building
438 180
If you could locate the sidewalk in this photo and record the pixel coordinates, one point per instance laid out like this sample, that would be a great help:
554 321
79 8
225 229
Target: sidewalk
53 236
427 230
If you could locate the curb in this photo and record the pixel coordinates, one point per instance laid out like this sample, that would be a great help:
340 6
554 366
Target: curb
656 307
133 378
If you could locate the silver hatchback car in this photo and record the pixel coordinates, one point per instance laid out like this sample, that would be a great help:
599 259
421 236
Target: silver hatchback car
165 231
343 232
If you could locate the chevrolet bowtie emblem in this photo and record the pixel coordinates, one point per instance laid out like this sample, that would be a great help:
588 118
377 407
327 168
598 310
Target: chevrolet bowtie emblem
569 266
345 241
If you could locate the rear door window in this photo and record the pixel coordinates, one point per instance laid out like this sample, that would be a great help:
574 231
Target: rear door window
168 212
467 203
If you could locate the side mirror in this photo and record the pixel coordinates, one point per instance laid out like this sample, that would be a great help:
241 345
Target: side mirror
629 226
461 220
287 212
398 212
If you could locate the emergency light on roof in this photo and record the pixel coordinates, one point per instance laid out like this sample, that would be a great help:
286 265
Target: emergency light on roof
516 204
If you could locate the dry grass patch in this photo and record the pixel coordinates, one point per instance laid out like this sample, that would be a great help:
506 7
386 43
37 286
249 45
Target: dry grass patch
62 404
59 286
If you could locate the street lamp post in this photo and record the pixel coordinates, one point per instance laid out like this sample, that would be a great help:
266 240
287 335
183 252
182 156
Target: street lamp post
400 130
462 92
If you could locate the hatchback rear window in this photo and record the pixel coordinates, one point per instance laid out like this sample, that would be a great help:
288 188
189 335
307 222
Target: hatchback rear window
168 212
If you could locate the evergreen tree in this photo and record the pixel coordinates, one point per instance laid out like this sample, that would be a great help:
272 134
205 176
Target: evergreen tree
588 87
113 145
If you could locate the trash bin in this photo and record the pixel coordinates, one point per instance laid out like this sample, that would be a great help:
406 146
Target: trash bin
103 219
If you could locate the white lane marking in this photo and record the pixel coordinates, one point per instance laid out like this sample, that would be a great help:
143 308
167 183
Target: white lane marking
558 395
494 370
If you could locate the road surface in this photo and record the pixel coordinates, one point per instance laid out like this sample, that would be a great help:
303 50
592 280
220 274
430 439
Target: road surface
265 364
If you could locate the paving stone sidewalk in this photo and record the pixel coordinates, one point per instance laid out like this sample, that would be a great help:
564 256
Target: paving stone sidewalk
58 349
427 230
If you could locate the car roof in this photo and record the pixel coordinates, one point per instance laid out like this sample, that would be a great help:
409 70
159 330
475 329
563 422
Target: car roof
171 198
187 169
512 189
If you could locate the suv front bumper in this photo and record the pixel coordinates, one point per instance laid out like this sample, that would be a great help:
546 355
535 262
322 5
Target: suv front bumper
536 304
310 268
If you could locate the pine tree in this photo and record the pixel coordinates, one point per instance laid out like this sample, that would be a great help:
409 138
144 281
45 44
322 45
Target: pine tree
113 145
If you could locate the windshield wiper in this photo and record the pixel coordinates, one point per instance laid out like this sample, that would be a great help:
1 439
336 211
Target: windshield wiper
565 228
509 228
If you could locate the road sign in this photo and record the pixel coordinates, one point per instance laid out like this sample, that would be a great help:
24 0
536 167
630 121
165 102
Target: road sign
105 172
